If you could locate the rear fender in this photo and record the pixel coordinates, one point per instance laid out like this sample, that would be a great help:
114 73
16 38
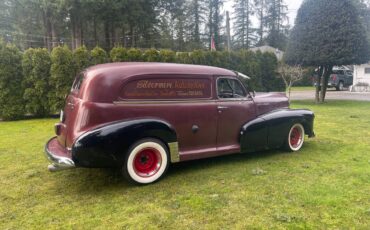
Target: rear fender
107 145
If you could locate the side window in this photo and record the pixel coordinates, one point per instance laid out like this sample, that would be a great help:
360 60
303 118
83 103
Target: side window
230 88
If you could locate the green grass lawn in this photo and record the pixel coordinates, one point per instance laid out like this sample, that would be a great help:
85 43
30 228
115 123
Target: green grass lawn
325 185
303 88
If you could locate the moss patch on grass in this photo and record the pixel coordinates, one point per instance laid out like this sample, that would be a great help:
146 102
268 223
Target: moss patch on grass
325 185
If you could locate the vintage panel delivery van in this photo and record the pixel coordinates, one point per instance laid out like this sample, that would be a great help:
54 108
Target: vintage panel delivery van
143 116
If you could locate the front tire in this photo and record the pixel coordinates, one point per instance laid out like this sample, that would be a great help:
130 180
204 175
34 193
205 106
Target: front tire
146 161
295 138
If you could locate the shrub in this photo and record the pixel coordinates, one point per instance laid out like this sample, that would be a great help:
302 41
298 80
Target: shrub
269 79
62 75
36 71
98 56
197 57
151 55
167 56
183 57
134 55
11 92
81 58
118 54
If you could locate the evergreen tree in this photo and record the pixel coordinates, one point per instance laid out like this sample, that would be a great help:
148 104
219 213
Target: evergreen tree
81 58
215 20
11 92
196 16
244 33
36 70
327 33
276 22
98 56
118 54
261 11
62 75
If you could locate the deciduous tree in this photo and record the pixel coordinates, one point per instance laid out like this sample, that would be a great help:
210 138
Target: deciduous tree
327 33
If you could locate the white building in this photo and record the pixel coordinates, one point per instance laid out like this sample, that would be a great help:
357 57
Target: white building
361 78
279 54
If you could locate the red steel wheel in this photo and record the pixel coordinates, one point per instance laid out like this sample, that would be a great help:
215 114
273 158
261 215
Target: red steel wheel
295 137
147 161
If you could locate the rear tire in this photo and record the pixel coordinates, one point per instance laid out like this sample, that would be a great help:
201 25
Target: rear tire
340 86
146 161
295 138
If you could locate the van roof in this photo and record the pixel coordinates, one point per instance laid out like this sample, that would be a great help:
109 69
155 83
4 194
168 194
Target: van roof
126 69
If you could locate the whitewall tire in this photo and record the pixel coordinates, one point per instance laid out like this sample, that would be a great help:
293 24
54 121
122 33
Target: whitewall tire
146 161
295 138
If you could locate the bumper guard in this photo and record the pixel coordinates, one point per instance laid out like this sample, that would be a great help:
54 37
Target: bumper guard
59 156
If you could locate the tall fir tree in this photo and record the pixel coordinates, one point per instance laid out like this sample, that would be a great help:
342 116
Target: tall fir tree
196 16
277 23
215 20
261 12
244 36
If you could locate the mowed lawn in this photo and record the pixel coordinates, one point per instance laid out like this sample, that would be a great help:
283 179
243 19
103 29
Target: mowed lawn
325 185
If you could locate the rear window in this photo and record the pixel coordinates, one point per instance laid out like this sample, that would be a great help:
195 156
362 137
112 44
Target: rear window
167 89
338 72
77 83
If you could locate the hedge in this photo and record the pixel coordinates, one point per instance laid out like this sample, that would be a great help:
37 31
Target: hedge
48 77
36 65
11 90
62 74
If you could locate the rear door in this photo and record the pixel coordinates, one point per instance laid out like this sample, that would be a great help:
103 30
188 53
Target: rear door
70 112
235 108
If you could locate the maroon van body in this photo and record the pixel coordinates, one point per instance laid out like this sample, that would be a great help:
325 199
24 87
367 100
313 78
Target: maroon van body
193 111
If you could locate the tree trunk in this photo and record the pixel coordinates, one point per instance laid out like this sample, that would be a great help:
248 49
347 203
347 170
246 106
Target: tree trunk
53 35
318 82
132 36
73 33
124 37
95 33
107 35
47 28
324 82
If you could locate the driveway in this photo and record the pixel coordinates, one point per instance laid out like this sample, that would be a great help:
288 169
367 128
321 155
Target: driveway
331 95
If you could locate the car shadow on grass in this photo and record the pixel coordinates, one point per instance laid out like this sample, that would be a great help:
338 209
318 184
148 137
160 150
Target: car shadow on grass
95 181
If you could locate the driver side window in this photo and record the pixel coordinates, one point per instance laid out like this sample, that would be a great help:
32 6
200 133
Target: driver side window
230 88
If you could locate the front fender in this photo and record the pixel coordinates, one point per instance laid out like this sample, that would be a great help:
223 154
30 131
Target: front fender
270 130
107 146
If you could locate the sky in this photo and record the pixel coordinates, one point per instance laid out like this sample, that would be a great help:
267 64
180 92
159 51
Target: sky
293 6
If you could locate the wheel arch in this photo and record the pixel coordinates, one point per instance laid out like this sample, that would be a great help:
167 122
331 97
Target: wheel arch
269 130
107 145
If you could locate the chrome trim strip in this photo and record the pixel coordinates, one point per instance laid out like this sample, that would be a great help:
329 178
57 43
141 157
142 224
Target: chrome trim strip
161 102
174 152
180 101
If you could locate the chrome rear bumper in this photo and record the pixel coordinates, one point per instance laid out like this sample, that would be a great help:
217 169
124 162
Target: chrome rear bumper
59 156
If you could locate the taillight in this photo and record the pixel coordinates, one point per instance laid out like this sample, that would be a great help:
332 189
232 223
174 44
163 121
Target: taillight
334 77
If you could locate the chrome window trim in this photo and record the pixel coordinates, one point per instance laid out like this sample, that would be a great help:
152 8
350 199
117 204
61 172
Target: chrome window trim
246 98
